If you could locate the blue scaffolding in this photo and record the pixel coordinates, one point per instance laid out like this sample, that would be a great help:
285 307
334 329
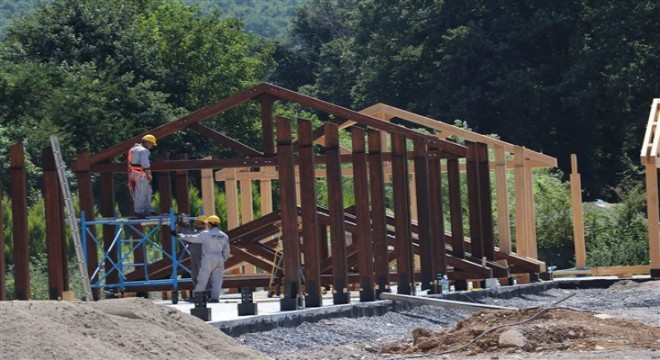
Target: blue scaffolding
127 239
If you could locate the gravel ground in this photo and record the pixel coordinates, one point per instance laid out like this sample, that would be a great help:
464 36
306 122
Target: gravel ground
364 338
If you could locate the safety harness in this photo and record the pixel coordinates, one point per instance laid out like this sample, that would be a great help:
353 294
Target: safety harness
133 168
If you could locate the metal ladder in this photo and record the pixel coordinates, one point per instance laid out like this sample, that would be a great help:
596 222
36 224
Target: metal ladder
71 217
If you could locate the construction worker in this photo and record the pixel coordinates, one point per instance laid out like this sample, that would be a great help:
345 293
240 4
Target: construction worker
215 251
139 176
195 249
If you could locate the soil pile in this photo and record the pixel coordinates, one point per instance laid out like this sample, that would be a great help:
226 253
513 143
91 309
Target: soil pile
114 329
532 330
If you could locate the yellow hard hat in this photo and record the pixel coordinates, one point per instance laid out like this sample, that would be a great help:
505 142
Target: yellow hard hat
150 138
201 218
213 219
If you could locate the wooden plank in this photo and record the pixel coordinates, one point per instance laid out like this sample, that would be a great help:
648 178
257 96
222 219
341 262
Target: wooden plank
503 227
455 208
446 130
425 228
531 217
266 195
54 218
19 222
363 233
606 271
437 217
247 212
225 140
107 209
172 127
336 212
377 196
474 201
310 224
653 213
86 201
343 113
520 192
267 128
231 195
165 201
181 189
206 163
578 215
290 235
486 207
403 247
208 193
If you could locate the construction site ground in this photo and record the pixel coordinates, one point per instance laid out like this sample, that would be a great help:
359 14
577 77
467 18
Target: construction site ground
597 319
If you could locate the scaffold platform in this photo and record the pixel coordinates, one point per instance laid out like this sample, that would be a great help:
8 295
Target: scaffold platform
135 245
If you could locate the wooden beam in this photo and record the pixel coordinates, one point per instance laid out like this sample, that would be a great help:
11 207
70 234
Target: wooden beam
165 130
181 189
267 128
578 217
378 221
336 211
310 224
474 201
403 247
343 113
208 193
19 222
447 130
290 235
225 140
520 192
425 227
54 226
206 163
363 234
485 200
231 195
437 217
86 202
653 216
503 227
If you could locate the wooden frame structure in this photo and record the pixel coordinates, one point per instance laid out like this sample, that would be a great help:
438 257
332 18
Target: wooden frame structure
331 247
650 157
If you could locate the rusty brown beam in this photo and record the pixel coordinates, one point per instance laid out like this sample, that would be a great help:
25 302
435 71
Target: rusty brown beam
19 222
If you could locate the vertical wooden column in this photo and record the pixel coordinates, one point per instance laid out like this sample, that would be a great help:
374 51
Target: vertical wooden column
336 210
474 201
531 213
485 201
3 290
578 215
54 226
108 210
403 246
267 124
266 192
437 217
290 236
456 214
208 193
503 226
86 201
165 201
522 232
181 189
310 224
653 213
19 222
231 192
378 219
247 212
425 229
363 233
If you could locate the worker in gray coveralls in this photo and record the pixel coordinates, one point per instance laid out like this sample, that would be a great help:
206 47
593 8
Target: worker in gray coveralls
195 249
215 251
139 176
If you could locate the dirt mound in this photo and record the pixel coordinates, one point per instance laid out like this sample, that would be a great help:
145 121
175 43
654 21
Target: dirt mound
549 330
113 329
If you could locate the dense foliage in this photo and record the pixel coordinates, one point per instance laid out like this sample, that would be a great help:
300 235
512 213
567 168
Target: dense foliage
560 77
